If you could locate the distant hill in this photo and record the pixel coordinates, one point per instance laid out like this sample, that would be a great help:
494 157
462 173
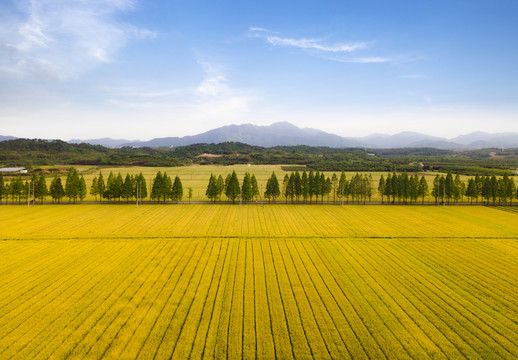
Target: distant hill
106 142
286 134
277 134
4 138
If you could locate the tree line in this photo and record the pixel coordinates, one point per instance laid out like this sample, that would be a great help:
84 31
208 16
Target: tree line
36 188
295 187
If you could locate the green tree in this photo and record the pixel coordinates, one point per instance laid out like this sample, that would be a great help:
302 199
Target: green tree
435 188
57 192
449 186
140 187
220 186
81 193
117 188
311 185
327 187
304 186
388 187
101 186
94 189
246 189
285 187
381 188
156 189
128 188
422 188
414 188
108 191
212 188
471 190
272 188
255 187
40 189
177 189
189 194
72 185
459 188
232 190
16 188
297 186
2 188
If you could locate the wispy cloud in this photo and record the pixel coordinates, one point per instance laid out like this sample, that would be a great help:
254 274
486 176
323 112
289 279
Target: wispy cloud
340 52
62 39
304 43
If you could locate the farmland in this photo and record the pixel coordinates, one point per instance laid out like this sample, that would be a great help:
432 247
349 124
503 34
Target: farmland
197 176
292 281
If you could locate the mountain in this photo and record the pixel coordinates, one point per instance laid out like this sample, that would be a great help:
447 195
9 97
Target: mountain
480 139
400 140
280 133
106 142
286 134
4 138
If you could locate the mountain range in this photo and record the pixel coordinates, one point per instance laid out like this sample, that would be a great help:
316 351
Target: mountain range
287 134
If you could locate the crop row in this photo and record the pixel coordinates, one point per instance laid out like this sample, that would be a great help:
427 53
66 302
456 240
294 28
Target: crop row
286 298
199 221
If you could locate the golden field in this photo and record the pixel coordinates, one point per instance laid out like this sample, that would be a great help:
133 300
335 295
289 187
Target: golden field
265 282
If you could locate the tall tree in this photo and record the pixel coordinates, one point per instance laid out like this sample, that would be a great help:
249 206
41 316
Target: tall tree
246 189
422 189
311 185
17 188
471 190
57 192
388 187
285 186
220 186
458 188
81 192
156 188
212 188
177 189
449 186
297 186
272 188
101 186
255 187
94 189
233 191
140 186
72 185
381 188
128 188
435 188
304 186
118 185
2 187
41 188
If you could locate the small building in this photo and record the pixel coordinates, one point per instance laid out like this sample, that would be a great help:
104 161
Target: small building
13 170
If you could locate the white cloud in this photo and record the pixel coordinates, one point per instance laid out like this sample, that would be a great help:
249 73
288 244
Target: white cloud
314 44
303 43
340 52
62 39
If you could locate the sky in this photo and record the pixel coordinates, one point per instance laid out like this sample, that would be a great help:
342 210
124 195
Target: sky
144 69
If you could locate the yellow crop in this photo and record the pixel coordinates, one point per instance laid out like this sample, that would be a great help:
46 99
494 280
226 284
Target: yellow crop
265 282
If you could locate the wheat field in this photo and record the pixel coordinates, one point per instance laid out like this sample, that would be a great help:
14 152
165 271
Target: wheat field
258 282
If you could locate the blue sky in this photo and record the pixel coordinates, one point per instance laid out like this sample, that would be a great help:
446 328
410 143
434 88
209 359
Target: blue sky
145 69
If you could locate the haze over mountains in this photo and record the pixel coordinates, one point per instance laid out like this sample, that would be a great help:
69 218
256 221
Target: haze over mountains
284 133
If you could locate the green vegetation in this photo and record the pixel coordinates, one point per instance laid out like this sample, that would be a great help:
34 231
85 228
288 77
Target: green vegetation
402 188
36 154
